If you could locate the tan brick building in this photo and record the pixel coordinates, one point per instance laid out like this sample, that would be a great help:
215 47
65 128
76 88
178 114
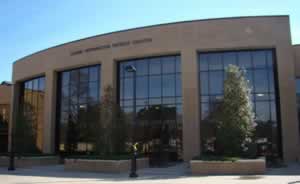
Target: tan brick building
179 73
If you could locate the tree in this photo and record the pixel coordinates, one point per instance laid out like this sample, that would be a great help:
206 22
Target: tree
25 132
235 122
112 130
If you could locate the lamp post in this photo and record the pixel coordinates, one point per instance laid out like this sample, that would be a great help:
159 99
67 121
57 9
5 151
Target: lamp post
133 174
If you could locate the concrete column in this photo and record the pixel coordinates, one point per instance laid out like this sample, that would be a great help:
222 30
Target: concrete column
191 118
288 106
109 75
50 112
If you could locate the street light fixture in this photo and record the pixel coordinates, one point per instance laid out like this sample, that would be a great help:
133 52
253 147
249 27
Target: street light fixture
133 174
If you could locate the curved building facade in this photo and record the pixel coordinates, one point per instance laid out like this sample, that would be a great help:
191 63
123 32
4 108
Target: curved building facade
179 79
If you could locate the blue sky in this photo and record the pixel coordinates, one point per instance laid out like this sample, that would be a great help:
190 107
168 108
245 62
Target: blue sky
27 26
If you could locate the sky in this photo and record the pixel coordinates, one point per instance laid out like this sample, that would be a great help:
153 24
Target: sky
28 26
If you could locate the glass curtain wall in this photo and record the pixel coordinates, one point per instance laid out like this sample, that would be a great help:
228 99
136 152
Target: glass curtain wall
29 126
298 98
158 103
259 67
78 109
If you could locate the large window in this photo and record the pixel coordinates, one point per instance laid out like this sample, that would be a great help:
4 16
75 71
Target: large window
259 68
298 99
31 119
78 108
158 102
4 118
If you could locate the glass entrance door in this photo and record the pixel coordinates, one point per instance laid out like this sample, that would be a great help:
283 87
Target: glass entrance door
161 140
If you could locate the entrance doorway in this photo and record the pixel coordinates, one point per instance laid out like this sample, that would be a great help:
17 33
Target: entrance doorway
161 137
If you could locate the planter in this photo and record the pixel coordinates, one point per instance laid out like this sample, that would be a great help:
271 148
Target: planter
110 166
30 161
240 167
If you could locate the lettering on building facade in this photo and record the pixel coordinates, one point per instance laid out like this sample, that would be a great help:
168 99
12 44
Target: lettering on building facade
113 45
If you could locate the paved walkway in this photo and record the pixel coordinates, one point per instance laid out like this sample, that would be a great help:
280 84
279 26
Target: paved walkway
174 175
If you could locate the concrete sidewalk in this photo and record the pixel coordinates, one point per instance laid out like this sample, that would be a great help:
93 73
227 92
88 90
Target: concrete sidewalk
174 175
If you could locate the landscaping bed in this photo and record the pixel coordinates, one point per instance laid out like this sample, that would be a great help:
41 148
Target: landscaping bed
30 160
118 164
227 165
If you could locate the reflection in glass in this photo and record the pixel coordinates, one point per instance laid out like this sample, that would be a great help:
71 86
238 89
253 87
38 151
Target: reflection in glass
216 82
271 80
141 87
249 77
78 112
229 58
65 78
168 64
244 59
159 109
215 61
128 92
261 81
204 62
259 59
168 83
262 111
204 82
155 86
178 85
84 74
142 67
32 111
178 64
155 66
258 66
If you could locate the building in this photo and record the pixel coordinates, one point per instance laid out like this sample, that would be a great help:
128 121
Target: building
5 98
179 77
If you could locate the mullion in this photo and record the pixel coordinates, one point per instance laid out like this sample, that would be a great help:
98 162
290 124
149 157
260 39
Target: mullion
161 83
208 82
87 101
99 83
37 104
253 69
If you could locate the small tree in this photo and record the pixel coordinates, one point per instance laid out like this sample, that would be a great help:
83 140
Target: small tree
111 135
235 123
25 133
